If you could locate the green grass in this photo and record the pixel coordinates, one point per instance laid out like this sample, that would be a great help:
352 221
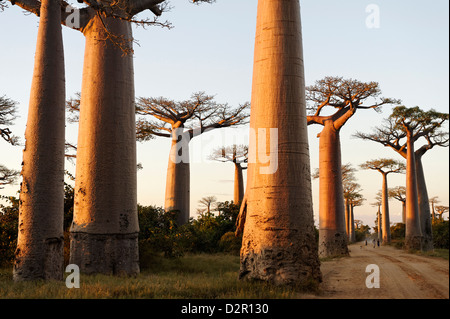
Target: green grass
190 277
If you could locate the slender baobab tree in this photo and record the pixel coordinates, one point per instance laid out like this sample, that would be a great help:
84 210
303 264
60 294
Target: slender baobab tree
378 202
433 201
39 253
238 155
353 198
399 193
385 166
346 97
207 202
276 216
404 127
182 121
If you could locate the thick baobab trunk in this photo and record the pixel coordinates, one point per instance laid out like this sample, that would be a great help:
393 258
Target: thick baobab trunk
424 206
332 226
39 253
385 210
104 233
178 176
413 237
238 184
279 244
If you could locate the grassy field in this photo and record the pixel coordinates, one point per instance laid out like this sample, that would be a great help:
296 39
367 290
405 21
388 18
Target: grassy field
192 276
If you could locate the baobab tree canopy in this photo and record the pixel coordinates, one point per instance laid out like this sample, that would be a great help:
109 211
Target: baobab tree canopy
344 95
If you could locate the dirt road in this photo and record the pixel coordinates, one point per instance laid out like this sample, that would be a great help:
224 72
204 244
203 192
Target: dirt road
401 275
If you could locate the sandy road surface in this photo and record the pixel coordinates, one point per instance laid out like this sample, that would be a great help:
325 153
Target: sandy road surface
402 275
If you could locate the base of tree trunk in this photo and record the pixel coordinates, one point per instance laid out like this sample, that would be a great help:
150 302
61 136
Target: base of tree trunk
110 254
281 265
427 243
414 242
42 260
332 243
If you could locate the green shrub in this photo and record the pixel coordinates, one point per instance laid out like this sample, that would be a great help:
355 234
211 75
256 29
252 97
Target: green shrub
229 243
441 233
9 220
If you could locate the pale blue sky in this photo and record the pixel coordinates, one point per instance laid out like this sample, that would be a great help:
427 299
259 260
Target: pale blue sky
210 49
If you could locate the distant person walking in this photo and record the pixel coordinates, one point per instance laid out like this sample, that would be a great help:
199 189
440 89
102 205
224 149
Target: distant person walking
378 242
373 241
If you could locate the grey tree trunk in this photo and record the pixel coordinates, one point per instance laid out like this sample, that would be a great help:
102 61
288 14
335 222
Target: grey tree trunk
178 176
104 233
385 210
238 184
39 253
279 243
413 236
332 225
424 206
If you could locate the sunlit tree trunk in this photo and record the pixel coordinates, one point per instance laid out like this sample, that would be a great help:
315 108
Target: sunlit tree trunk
424 205
380 225
347 214
178 176
332 228
238 184
413 237
105 225
279 244
351 227
385 210
39 253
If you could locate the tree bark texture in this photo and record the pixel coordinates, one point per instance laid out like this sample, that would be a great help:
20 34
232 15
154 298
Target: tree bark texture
279 244
332 225
351 227
238 184
424 206
385 209
413 236
178 176
39 253
380 225
104 233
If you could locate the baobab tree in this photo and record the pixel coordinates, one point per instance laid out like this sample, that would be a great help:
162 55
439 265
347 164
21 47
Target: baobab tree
346 96
276 217
39 253
404 127
238 155
379 220
181 122
399 193
433 201
441 210
385 166
207 202
104 230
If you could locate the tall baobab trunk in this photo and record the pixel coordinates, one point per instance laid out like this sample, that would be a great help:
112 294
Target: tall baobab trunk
178 176
404 212
424 206
39 253
238 184
385 209
351 227
104 233
332 228
413 236
279 244
347 214
380 225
